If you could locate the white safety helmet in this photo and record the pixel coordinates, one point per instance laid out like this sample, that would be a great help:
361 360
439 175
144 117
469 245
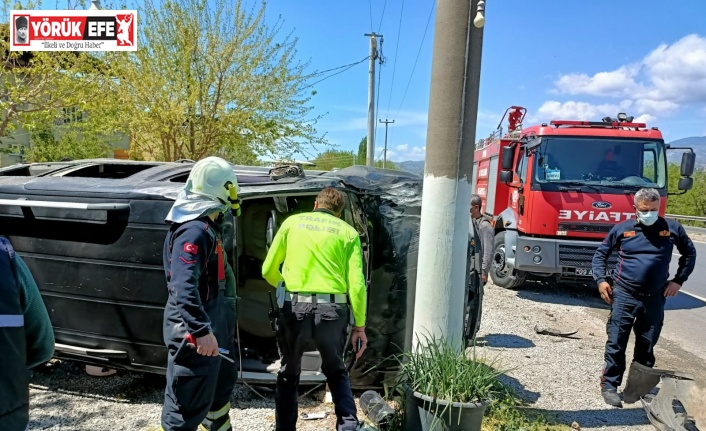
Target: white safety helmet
214 177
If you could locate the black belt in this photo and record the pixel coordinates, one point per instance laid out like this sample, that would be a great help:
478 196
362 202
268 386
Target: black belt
314 298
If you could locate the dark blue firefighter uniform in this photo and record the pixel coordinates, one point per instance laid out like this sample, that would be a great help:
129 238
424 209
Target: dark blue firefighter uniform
14 380
641 276
201 300
26 337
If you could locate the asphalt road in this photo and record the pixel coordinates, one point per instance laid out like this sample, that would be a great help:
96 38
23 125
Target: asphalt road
685 317
697 282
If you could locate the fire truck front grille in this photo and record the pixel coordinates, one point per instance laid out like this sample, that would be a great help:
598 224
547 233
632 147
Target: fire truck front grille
586 227
580 256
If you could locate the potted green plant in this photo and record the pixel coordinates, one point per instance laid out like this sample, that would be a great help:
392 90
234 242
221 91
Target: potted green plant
444 389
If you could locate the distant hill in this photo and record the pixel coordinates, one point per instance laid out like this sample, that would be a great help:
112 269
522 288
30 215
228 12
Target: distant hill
414 166
698 143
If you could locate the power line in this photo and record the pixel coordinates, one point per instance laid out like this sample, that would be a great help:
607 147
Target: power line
377 101
417 59
381 16
336 68
339 72
394 65
370 2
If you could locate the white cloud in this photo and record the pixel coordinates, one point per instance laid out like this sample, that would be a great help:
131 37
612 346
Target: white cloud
404 152
666 79
678 72
572 110
645 118
619 82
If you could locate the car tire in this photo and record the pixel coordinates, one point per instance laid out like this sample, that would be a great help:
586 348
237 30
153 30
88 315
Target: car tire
500 273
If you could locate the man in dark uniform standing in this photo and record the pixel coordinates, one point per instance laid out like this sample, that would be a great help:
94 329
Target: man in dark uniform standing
480 252
323 273
638 292
26 337
199 317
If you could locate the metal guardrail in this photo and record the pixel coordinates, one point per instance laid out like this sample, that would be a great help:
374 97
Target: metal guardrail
693 230
685 217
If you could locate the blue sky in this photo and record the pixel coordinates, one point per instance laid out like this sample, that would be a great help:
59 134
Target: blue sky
584 60
559 59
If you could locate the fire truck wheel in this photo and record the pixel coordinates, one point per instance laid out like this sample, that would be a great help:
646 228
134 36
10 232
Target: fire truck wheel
501 274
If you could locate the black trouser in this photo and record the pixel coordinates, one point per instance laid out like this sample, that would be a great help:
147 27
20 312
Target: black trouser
199 387
327 326
474 305
642 314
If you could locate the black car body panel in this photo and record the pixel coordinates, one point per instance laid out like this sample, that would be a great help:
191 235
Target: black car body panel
92 232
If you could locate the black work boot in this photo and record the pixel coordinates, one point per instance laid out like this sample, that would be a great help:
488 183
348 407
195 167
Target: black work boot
610 396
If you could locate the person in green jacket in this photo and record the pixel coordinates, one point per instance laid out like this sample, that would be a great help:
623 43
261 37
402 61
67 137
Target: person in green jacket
26 335
322 274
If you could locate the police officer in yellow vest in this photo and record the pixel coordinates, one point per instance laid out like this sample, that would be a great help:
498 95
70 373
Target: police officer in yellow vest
324 283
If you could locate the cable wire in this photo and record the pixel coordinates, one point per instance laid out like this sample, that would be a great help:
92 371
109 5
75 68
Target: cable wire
336 68
394 65
372 28
377 102
334 74
382 16
431 12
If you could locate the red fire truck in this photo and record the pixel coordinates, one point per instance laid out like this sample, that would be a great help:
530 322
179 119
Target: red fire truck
555 190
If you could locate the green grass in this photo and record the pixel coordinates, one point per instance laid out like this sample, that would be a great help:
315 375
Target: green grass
506 414
441 370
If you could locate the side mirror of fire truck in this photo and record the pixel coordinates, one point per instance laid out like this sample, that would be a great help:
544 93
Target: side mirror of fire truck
505 177
685 184
507 158
688 162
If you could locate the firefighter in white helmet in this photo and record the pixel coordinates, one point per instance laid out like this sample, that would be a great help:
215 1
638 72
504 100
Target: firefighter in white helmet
199 317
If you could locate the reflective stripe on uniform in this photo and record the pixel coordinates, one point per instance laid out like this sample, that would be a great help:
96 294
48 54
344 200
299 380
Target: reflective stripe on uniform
226 426
12 320
219 413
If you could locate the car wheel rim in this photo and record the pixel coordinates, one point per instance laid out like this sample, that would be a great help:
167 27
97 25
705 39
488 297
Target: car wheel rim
499 262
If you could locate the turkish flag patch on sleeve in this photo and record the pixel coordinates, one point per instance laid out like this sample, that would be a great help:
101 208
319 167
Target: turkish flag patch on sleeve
191 248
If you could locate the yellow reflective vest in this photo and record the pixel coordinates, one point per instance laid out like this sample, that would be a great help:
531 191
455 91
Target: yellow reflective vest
321 254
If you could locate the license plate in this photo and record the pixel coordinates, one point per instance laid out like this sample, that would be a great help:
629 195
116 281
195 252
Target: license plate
589 272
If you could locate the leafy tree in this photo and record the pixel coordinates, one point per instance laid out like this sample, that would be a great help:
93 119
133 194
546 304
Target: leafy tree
210 77
333 159
342 159
36 86
388 165
362 158
49 145
363 151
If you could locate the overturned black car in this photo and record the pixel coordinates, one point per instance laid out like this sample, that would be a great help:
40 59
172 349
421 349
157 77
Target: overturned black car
91 232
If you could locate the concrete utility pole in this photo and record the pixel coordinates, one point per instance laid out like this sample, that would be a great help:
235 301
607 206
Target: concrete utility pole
370 154
443 236
384 153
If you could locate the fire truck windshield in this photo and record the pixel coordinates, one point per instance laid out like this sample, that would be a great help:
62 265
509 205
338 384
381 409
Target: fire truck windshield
601 161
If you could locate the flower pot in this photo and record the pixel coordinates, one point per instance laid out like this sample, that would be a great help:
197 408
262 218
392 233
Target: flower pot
423 413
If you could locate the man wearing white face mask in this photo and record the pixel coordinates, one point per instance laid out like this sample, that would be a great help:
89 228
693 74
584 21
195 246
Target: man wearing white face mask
638 292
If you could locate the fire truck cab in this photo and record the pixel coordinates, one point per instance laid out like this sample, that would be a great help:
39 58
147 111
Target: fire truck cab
555 190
